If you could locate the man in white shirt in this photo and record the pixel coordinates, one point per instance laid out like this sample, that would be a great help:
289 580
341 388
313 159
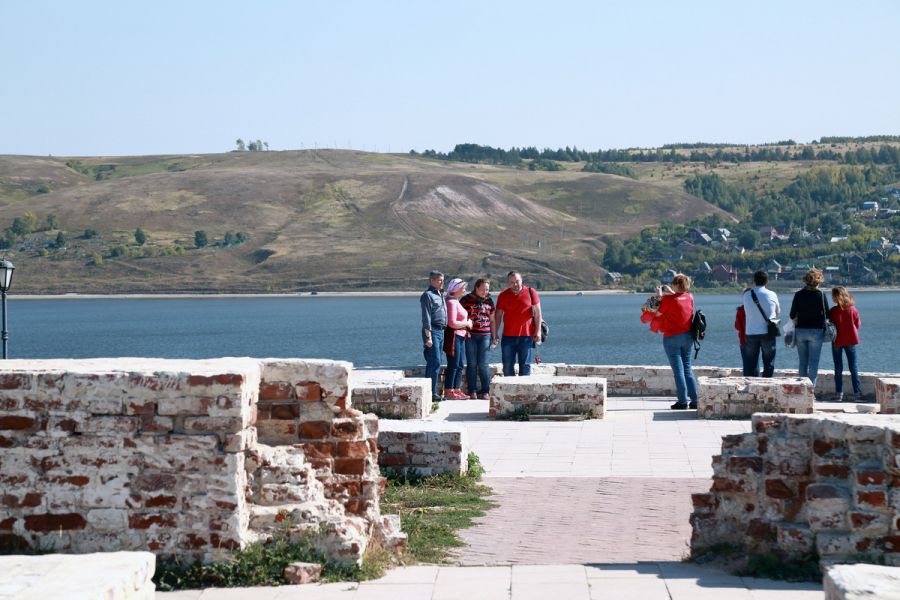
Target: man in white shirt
757 328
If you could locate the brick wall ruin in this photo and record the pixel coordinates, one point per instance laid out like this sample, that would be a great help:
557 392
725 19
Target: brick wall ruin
187 458
803 483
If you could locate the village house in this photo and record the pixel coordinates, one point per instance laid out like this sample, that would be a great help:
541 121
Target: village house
613 278
724 274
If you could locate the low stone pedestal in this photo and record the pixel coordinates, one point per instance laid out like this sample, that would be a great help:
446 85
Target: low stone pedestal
887 394
108 575
730 397
422 447
548 395
855 582
390 395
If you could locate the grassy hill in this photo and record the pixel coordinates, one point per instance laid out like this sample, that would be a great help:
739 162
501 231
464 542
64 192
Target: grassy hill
317 220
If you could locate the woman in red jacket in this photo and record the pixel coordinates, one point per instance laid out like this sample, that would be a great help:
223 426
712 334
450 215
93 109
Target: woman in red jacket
674 317
846 318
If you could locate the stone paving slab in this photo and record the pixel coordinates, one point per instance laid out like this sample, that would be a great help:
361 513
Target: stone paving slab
639 437
578 520
638 581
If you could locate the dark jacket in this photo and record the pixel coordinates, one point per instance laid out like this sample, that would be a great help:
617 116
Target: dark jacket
809 308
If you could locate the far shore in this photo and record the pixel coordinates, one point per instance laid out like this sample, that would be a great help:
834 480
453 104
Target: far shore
292 295
367 294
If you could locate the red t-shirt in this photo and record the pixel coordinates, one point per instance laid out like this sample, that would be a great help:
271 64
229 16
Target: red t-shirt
676 313
847 323
517 318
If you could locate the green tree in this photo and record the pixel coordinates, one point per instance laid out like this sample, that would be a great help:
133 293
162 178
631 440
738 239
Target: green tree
239 143
230 239
140 237
200 239
96 259
52 221
90 234
25 224
60 240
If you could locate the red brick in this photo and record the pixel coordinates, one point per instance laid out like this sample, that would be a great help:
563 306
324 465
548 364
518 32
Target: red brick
319 449
391 460
345 430
823 447
871 498
147 407
776 488
216 541
349 466
315 429
308 391
48 522
224 379
7 524
863 545
16 422
765 424
276 391
890 543
722 484
703 500
7 442
15 381
835 471
285 411
872 478
161 501
353 449
147 520
858 519
29 500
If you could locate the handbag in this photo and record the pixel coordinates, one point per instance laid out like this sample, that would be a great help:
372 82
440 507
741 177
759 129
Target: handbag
830 329
773 331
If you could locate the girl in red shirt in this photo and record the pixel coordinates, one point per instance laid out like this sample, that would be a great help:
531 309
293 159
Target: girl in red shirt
846 318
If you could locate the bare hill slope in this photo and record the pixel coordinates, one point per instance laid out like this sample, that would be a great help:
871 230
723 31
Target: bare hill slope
316 220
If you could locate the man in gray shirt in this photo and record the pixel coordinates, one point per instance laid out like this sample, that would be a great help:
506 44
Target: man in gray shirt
757 328
434 319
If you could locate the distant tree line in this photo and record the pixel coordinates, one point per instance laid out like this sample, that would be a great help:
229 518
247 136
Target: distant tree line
475 153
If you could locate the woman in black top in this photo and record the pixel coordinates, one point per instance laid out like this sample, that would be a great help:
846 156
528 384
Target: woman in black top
808 311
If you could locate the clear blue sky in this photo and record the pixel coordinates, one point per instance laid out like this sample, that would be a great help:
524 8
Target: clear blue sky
117 77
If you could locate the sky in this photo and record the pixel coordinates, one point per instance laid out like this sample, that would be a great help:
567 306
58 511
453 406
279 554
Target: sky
172 77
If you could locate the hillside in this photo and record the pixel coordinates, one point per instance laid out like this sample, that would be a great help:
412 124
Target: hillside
315 220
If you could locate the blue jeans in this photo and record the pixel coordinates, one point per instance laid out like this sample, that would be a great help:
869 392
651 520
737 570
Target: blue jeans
433 358
755 345
678 350
513 349
455 364
837 355
477 363
809 347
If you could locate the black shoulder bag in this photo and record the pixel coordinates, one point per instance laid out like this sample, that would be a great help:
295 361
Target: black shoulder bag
774 332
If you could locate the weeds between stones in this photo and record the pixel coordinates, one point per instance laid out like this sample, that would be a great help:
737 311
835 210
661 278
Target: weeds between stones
432 509
769 565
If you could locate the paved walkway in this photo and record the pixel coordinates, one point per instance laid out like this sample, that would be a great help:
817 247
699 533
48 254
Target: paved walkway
587 510
639 581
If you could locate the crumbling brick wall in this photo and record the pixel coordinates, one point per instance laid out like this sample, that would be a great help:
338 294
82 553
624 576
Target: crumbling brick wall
163 455
799 484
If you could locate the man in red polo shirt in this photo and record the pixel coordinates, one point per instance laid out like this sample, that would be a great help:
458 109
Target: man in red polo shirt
519 314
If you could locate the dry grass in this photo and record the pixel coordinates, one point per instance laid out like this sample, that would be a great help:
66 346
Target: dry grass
323 220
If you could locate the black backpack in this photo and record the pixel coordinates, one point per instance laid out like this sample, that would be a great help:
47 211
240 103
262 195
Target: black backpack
698 330
545 329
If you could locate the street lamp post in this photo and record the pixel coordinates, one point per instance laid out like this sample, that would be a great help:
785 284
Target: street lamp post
6 273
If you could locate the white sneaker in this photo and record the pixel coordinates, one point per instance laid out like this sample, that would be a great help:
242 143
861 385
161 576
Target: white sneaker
837 398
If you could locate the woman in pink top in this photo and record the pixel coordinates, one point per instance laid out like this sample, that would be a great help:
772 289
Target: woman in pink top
846 318
458 326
